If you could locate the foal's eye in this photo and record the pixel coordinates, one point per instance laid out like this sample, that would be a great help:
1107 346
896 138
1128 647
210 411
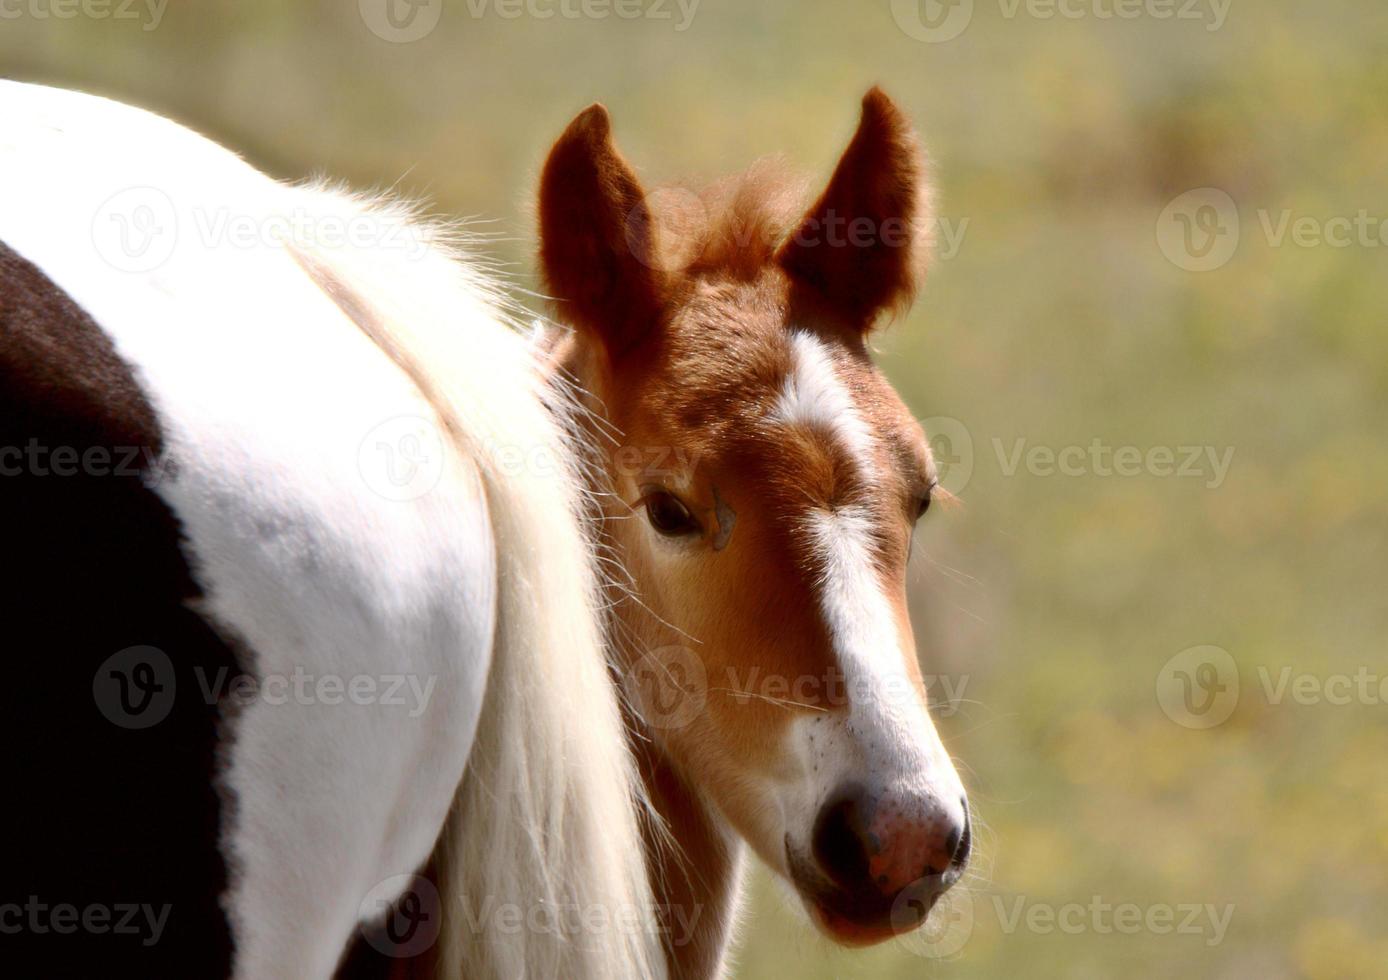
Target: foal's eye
668 514
924 504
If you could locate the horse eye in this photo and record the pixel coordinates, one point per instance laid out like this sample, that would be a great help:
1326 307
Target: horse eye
925 503
668 514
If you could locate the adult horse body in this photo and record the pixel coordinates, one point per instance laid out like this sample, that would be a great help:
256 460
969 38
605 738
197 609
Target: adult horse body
350 468
271 669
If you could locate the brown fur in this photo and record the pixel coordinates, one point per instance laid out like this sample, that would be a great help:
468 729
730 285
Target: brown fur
880 185
682 340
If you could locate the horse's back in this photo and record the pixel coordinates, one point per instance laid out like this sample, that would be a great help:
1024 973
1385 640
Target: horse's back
217 476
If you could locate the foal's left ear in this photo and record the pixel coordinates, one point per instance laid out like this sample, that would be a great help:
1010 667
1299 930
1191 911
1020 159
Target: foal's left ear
598 245
865 242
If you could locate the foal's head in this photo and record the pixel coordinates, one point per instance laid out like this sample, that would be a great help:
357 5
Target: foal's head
768 483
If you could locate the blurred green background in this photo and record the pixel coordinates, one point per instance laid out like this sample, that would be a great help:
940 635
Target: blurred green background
1064 308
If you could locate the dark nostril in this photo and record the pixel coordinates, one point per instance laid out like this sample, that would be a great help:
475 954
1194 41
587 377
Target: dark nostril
962 843
953 844
840 842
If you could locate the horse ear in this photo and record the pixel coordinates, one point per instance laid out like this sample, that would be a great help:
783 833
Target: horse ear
597 240
864 244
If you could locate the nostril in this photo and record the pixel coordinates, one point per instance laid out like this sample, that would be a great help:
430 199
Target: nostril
839 842
962 842
952 845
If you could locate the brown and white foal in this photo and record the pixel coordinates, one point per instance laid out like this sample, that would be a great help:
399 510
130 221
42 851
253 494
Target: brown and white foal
761 498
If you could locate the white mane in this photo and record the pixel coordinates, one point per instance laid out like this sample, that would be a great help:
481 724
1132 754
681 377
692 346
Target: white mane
546 818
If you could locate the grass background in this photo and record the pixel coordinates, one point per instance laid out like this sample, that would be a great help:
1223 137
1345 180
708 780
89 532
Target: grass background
1056 600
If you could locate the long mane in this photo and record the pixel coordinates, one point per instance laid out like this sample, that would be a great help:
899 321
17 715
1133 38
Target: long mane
546 819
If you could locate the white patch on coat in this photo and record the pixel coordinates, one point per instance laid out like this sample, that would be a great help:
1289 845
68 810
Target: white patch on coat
885 741
814 396
269 397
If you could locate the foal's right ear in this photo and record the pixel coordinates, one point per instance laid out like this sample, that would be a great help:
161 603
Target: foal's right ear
597 241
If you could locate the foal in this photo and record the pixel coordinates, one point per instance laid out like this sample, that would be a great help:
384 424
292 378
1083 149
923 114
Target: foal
761 503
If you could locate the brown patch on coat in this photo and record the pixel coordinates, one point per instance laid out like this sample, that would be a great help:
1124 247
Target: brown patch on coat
110 814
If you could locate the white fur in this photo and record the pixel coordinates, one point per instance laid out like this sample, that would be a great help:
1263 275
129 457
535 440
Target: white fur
813 395
266 390
885 740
